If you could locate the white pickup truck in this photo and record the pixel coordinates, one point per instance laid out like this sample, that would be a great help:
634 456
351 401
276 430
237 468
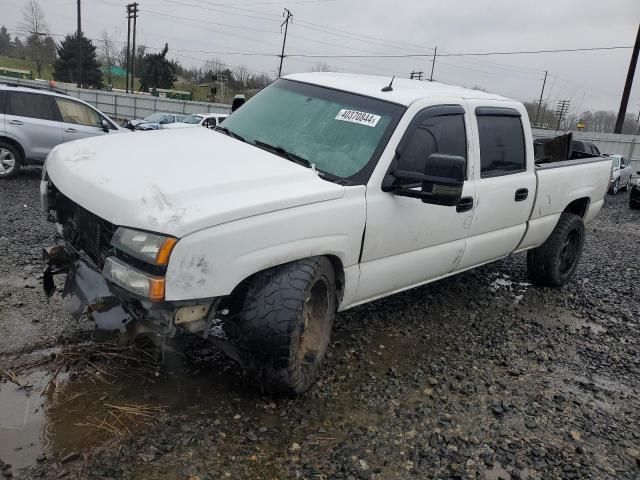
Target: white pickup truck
323 192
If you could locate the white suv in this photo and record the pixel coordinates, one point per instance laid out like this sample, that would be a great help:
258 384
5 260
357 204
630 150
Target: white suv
34 120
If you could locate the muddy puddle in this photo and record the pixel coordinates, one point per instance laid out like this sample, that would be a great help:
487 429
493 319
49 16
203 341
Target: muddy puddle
65 410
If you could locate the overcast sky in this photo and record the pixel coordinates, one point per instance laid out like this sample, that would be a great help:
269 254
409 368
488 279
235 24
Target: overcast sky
195 29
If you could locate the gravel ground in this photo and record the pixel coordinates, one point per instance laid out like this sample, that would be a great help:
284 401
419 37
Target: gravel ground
477 376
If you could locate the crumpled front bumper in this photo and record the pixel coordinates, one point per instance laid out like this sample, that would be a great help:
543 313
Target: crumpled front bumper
85 289
115 309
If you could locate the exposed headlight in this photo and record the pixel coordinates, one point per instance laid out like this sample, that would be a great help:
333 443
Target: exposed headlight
133 280
149 247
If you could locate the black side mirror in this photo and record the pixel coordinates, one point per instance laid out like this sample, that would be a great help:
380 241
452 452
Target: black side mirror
105 126
442 181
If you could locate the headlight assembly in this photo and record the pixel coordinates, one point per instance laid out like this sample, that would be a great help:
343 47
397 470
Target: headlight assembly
133 280
149 247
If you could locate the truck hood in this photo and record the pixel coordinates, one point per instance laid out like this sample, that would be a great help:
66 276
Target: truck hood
181 181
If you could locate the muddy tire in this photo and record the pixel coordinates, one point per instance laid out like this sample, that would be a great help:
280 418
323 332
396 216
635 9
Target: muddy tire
554 262
285 324
615 188
10 160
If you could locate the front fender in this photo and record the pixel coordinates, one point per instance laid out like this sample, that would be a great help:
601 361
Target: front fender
212 262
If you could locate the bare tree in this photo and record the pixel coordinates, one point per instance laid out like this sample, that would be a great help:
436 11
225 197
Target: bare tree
242 76
34 24
321 67
108 54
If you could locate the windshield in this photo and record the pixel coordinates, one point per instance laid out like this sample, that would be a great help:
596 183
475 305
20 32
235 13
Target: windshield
337 131
616 162
192 119
154 117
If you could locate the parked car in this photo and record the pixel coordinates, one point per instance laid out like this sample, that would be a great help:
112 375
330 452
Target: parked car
155 121
620 174
34 120
207 120
634 194
327 191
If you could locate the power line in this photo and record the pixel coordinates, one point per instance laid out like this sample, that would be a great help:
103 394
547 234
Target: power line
412 55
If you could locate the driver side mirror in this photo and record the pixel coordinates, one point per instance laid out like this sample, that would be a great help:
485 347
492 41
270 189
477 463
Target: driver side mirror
105 126
441 182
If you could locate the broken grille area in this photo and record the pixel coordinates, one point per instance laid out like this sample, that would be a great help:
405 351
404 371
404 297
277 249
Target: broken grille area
85 231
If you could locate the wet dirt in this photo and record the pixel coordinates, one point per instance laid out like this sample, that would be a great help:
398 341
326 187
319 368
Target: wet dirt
480 376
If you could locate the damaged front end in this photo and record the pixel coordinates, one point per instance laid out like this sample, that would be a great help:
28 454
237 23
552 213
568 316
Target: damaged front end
116 276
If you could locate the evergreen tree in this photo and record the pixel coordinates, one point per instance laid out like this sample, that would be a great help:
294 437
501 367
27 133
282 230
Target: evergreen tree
18 48
158 72
5 41
65 68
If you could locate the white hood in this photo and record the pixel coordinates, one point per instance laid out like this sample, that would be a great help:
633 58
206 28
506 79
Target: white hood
178 182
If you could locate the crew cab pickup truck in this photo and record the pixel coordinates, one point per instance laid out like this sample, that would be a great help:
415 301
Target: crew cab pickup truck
323 192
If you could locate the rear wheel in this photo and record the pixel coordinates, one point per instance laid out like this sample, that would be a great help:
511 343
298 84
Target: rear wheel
10 160
284 328
616 187
554 262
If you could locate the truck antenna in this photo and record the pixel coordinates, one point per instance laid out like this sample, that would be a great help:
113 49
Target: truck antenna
389 87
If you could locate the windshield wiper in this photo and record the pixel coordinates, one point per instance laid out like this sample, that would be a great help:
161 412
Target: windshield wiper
230 133
283 153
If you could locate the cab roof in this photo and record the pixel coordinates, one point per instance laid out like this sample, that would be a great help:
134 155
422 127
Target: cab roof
404 92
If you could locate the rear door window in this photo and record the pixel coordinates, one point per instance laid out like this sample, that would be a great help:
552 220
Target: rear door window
31 105
3 97
77 113
502 148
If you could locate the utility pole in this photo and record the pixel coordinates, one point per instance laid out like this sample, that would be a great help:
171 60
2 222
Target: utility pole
561 110
126 83
544 82
287 13
133 59
627 85
132 14
79 48
416 75
433 63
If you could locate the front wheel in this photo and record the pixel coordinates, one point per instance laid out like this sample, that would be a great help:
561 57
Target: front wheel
284 328
9 160
554 262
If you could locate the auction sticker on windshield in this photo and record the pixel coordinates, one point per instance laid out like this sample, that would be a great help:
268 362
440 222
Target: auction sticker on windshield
353 116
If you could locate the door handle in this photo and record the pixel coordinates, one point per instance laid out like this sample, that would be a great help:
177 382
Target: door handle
70 130
465 204
522 194
15 122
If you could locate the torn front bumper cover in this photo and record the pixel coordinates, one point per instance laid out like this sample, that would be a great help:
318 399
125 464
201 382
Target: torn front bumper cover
85 290
112 308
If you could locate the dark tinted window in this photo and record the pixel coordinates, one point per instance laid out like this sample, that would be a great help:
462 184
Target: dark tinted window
31 105
502 148
3 96
440 134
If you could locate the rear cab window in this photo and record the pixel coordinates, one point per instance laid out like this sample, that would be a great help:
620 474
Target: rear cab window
30 105
502 144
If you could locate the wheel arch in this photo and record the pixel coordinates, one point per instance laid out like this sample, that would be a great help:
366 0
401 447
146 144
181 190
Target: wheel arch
235 299
579 206
13 142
